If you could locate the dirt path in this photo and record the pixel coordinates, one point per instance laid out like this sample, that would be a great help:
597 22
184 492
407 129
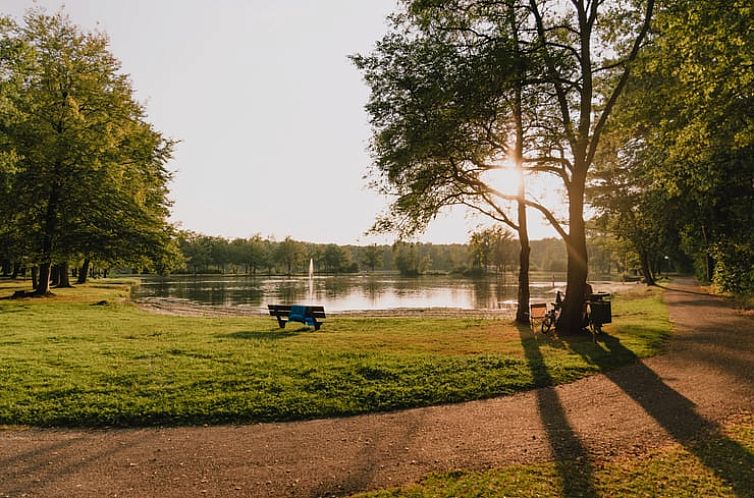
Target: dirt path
706 376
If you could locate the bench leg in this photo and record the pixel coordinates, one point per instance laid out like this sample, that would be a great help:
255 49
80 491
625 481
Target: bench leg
317 325
281 322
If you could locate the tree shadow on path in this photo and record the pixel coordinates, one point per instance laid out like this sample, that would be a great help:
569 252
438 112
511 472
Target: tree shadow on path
568 451
677 415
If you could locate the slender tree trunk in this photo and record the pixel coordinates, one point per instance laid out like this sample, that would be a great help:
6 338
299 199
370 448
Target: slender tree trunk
16 271
6 267
48 237
34 277
646 271
84 271
64 275
522 310
709 266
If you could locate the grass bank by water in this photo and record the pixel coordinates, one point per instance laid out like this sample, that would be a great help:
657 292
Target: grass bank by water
673 471
68 361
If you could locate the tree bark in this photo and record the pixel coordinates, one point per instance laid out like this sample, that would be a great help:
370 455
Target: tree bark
522 311
646 271
48 237
16 271
83 272
64 280
709 266
55 275
43 285
34 277
571 319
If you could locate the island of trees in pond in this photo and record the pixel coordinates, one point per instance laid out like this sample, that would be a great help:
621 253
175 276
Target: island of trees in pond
641 110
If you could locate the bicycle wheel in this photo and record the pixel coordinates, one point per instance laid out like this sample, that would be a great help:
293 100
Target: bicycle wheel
547 323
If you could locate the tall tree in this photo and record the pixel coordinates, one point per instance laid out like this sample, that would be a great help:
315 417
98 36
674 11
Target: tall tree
436 153
90 179
447 120
686 130
372 256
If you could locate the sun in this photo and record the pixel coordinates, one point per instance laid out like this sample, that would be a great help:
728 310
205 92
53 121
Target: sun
505 178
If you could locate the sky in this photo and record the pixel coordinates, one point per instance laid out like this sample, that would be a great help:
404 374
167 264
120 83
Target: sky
268 109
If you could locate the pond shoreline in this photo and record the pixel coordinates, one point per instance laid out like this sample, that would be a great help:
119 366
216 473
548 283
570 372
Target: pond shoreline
186 307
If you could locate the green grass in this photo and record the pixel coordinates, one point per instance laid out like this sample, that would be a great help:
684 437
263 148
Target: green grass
718 466
66 361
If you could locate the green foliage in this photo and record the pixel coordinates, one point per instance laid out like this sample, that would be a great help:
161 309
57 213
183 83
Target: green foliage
458 87
88 171
409 260
68 361
492 247
681 165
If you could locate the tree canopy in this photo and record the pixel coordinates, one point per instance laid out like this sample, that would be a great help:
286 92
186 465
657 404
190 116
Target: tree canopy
87 171
453 79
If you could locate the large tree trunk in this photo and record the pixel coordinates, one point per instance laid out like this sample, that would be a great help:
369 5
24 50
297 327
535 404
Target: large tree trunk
55 276
43 285
84 271
64 275
572 317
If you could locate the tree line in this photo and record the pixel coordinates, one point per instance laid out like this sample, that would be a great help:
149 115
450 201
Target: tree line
491 250
83 174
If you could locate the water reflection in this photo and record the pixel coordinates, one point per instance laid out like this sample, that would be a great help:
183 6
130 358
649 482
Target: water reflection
345 293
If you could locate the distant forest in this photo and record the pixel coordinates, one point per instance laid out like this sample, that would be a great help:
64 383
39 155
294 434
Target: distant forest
488 251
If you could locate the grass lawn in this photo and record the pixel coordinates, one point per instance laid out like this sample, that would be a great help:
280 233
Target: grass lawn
718 466
67 361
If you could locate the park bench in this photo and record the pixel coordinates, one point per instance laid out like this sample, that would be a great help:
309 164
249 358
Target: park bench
309 315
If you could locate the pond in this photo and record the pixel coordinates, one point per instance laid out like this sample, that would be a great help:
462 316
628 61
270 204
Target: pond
347 293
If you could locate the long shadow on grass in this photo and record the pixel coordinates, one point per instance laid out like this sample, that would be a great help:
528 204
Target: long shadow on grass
676 414
570 455
265 335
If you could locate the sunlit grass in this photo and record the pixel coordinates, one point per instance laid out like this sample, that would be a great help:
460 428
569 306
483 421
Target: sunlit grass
67 360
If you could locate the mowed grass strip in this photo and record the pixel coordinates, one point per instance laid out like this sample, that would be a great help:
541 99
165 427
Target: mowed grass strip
719 466
66 361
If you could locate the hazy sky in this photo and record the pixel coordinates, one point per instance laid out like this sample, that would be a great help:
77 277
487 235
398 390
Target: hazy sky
268 108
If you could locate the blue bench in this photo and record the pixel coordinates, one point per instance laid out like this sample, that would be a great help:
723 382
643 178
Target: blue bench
308 315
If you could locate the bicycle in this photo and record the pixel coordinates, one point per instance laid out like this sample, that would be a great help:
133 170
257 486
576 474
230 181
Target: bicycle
551 317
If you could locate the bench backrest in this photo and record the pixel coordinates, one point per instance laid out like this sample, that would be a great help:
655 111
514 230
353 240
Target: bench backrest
537 311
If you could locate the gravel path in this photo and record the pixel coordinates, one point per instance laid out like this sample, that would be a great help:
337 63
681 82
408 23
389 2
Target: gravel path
706 376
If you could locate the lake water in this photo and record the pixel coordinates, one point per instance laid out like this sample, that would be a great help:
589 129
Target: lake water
347 293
